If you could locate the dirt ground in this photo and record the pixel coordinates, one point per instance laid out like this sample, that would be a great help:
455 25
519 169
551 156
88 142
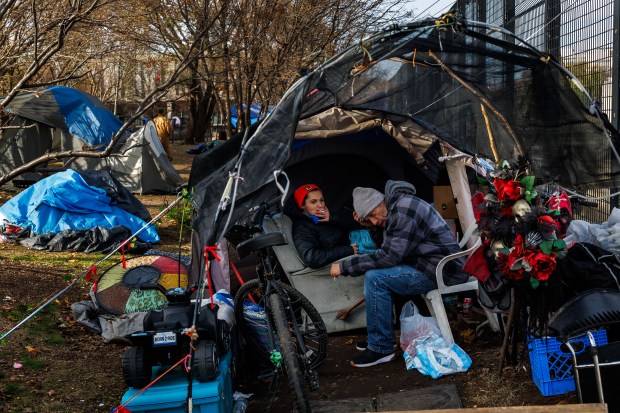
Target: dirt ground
53 364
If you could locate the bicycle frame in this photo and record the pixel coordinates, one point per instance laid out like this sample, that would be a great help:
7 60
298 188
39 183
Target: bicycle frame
266 276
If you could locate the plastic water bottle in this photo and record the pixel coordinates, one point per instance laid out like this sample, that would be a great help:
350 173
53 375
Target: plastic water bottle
241 405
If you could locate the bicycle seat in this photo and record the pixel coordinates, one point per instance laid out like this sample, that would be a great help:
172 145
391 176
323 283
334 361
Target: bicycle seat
262 241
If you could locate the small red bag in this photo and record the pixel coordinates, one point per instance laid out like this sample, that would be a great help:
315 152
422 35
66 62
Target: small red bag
476 264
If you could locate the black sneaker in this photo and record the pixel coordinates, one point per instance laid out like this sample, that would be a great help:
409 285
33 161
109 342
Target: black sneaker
362 345
370 358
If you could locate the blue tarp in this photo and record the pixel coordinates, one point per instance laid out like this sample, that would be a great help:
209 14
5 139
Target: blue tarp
254 114
65 201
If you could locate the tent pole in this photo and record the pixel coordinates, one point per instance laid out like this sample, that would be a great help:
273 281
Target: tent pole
484 100
490 133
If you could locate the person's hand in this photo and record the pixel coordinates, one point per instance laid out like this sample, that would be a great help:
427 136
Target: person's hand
355 247
323 215
334 270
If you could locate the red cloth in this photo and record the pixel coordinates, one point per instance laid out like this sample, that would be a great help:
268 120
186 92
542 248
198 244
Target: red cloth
476 264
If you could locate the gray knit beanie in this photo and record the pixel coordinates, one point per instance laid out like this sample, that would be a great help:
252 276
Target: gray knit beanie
365 200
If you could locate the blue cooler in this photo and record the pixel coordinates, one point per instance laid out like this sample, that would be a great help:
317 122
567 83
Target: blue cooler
169 394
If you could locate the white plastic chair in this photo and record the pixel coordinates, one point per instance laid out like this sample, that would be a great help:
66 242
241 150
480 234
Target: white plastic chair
433 299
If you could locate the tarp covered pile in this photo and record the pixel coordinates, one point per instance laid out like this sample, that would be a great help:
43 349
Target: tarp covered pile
83 212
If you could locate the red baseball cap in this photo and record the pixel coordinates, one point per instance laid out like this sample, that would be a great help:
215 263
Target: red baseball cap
301 192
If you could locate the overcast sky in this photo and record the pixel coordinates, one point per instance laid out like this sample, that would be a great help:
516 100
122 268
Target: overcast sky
425 8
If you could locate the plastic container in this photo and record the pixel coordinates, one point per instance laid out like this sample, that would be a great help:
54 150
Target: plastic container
552 365
169 394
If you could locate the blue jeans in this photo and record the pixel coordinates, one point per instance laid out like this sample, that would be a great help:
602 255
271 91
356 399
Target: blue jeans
379 285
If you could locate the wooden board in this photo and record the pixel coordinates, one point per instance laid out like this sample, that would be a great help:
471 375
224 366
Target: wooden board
564 408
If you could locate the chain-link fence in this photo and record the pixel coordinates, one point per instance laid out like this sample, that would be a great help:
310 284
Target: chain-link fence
580 33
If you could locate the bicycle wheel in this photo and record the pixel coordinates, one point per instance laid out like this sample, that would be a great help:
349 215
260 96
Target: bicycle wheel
308 319
289 354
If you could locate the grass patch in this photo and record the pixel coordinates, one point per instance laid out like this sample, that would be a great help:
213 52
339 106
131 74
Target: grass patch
55 338
12 389
29 361
45 321
182 212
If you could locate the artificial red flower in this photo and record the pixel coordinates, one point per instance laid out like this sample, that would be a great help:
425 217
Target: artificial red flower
517 245
508 190
506 265
506 211
548 226
542 264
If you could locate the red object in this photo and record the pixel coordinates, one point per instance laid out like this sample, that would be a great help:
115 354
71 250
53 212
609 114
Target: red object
467 303
11 229
478 203
123 256
508 190
210 249
476 264
302 191
121 409
560 202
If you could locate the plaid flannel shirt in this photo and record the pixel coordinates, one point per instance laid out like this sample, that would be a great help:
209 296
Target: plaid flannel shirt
415 235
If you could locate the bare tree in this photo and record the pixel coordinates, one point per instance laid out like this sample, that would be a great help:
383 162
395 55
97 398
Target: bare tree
279 38
39 57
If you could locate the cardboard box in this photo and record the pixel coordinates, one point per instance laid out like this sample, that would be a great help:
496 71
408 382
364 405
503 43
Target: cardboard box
444 203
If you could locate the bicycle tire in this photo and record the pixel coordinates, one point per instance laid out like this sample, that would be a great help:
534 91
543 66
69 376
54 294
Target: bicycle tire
289 354
308 318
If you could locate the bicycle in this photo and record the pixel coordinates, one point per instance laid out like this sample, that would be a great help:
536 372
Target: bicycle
296 341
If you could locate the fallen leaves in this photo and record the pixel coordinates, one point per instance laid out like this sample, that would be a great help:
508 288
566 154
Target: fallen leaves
31 349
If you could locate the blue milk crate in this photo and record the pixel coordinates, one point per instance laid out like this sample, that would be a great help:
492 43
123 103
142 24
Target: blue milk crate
169 394
552 364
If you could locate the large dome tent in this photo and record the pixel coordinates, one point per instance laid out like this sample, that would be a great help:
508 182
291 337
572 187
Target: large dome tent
446 89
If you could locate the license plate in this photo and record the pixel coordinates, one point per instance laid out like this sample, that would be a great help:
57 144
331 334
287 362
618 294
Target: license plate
167 338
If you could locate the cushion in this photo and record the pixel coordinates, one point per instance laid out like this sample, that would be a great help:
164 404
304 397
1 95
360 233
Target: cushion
287 254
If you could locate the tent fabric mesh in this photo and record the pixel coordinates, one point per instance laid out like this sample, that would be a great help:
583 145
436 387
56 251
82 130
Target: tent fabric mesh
542 117
481 91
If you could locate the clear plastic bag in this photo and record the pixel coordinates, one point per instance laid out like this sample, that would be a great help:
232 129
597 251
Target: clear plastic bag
414 327
435 357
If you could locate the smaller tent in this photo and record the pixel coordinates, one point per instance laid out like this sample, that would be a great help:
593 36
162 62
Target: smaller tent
139 163
60 118
57 118
255 114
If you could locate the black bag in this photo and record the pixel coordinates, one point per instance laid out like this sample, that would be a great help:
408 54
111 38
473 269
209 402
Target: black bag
588 266
494 293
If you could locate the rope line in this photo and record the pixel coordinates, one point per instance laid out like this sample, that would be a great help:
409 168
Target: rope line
183 360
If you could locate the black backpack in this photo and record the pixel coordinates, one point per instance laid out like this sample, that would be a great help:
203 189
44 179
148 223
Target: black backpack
588 266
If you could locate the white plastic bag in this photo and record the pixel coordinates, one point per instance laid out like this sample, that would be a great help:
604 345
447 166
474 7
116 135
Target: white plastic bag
414 327
435 357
